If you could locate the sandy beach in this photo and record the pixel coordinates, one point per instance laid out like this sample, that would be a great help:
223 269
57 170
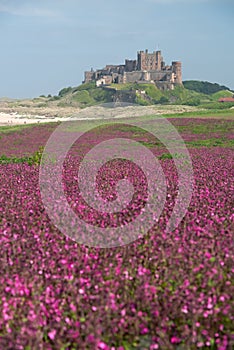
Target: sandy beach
19 119
28 116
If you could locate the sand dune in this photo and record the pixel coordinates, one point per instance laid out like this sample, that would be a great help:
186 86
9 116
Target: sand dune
28 116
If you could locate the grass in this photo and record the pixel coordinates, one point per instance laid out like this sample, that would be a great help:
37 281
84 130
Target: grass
34 159
220 94
179 94
7 129
203 113
219 126
165 156
213 142
217 105
83 98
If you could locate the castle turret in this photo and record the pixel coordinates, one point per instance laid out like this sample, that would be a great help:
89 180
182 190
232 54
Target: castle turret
158 60
140 59
176 68
88 76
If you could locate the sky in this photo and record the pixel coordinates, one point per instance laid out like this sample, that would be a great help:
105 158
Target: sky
46 45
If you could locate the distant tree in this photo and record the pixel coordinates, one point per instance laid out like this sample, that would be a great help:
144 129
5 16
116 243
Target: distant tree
54 98
64 91
204 86
163 100
195 101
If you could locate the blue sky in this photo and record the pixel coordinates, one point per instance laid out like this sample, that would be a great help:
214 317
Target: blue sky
46 45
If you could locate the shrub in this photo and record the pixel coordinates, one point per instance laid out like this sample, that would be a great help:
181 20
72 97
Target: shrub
164 100
193 102
65 91
203 86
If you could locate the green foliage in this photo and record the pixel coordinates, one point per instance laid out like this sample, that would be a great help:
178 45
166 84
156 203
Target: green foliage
217 105
62 104
163 100
91 97
213 142
203 113
223 93
65 91
192 93
54 98
218 126
101 95
86 86
171 156
85 95
34 159
41 105
181 95
6 129
154 93
83 98
194 101
7 160
204 87
140 101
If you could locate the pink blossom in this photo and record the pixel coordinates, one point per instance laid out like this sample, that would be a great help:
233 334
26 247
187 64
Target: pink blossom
52 334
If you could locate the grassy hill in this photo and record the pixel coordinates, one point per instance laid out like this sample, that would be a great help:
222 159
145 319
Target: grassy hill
223 93
84 95
204 87
88 94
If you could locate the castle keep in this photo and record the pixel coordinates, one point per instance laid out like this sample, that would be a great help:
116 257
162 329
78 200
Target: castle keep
147 68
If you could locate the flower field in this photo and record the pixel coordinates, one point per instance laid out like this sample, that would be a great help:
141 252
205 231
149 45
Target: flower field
169 291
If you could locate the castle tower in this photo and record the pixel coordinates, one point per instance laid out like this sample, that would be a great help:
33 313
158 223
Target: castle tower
140 60
158 60
149 61
176 68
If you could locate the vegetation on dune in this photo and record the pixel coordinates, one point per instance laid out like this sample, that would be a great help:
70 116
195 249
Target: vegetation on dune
217 105
204 87
221 93
192 93
203 95
85 95
209 113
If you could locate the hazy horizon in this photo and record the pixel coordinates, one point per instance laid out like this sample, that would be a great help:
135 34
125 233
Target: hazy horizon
47 45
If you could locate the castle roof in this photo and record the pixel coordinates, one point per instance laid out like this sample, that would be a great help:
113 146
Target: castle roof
226 99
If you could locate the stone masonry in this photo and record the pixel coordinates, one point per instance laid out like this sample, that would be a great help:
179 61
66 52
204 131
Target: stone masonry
147 68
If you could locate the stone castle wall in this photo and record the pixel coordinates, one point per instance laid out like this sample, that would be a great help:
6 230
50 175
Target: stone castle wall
149 67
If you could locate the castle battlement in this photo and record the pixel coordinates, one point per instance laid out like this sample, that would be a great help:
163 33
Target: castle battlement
148 67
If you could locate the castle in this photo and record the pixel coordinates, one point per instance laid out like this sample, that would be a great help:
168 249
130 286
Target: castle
147 68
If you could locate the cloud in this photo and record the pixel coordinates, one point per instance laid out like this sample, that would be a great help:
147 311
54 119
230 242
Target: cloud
27 10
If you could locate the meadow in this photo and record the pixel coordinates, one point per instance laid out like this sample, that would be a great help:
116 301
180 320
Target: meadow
169 291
